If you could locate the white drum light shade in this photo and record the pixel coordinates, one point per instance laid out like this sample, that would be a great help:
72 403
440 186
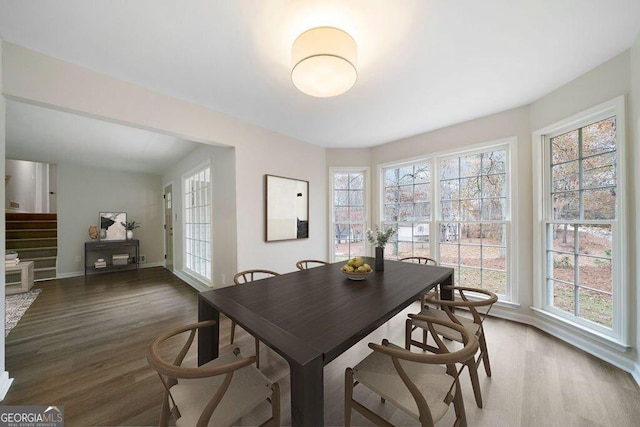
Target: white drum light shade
324 62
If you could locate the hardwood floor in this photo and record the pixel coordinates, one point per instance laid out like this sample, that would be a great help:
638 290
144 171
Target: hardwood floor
82 342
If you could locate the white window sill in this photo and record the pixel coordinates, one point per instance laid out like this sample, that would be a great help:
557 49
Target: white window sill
193 281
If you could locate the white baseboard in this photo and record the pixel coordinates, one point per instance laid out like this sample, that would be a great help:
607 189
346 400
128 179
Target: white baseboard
5 383
636 373
152 264
70 274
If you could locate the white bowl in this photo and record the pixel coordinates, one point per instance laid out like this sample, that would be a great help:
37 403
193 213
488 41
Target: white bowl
11 256
355 275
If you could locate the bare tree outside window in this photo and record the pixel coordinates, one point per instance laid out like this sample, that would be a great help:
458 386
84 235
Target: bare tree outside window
583 174
473 222
407 209
349 215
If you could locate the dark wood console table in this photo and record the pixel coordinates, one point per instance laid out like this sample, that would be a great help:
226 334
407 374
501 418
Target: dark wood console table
105 249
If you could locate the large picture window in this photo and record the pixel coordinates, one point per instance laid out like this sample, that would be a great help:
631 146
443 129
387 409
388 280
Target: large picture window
581 224
197 223
349 213
455 207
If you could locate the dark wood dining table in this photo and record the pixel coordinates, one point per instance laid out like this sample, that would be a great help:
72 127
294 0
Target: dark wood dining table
312 316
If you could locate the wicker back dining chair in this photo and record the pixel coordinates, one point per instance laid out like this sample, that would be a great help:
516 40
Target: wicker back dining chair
309 263
421 384
420 260
465 299
214 394
426 261
248 276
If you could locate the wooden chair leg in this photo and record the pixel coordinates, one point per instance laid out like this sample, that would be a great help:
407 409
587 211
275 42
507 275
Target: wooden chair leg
275 404
348 396
257 353
458 405
233 330
407 334
485 354
165 412
475 382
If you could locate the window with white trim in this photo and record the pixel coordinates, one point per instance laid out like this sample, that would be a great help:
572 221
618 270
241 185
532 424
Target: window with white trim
455 207
581 227
197 223
407 209
348 212
474 219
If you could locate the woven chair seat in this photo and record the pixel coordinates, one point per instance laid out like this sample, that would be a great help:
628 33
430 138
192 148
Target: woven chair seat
377 373
421 384
469 299
248 389
216 393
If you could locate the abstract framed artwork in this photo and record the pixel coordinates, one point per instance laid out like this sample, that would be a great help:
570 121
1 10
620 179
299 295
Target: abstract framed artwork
286 208
112 225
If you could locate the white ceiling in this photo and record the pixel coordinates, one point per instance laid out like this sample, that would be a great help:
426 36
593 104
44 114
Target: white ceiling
422 64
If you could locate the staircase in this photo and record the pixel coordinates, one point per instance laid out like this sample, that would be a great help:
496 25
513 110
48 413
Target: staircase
35 237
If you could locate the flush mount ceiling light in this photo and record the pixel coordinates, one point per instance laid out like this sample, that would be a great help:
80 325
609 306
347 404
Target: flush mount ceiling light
324 62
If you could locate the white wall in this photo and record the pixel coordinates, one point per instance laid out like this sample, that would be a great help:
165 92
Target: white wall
27 185
634 152
601 84
84 192
349 157
20 185
291 160
222 160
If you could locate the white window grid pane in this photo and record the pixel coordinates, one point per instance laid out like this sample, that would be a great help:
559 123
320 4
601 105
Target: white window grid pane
466 195
587 202
476 258
348 214
471 189
569 195
570 245
407 205
198 251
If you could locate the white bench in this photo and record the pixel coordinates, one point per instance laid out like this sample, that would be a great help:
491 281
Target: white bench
26 277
